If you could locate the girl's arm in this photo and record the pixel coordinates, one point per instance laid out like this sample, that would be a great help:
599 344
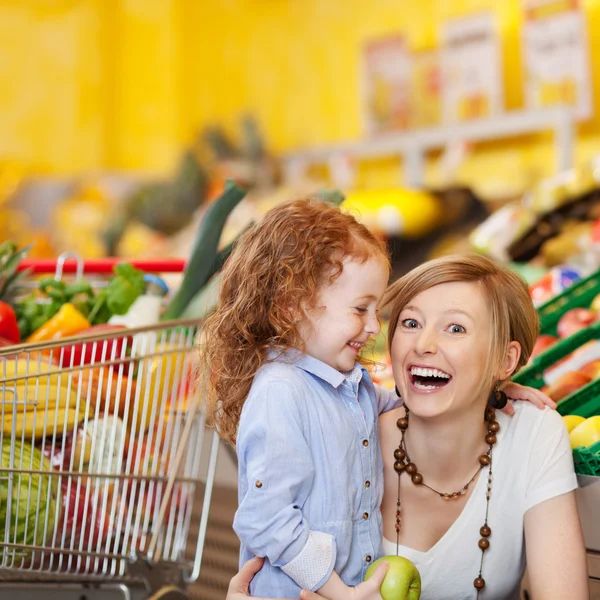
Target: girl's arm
239 587
276 476
556 558
521 392
388 400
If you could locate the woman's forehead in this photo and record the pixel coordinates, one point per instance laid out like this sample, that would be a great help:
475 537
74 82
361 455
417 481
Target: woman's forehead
452 297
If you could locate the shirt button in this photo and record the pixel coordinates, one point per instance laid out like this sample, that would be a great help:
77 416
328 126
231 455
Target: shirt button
367 484
365 516
365 443
368 558
258 484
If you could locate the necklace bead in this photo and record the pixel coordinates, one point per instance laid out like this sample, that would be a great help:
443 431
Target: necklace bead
399 454
399 466
402 463
479 583
484 460
494 427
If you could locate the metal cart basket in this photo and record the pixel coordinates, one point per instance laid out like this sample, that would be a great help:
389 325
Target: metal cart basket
103 453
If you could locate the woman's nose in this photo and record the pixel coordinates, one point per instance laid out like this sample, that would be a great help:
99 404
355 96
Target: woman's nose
426 342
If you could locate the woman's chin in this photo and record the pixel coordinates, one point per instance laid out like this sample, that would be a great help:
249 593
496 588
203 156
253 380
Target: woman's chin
426 405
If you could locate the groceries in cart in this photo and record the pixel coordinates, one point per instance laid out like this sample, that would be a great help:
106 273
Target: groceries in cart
103 434
98 439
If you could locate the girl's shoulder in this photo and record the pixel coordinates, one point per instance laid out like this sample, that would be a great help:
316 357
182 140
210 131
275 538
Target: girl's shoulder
278 372
279 379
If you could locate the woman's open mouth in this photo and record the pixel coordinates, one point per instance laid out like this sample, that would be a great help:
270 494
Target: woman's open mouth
427 379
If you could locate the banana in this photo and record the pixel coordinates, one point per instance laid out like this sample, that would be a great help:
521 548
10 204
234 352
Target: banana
31 396
23 367
32 424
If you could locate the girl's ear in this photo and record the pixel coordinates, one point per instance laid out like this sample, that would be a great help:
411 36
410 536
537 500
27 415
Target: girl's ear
511 360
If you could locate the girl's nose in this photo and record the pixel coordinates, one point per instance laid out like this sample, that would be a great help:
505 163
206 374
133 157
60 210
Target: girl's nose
372 326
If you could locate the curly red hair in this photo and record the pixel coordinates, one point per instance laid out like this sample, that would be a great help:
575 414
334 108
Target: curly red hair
273 274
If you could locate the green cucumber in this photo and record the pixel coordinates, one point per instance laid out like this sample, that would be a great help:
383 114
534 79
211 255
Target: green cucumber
201 264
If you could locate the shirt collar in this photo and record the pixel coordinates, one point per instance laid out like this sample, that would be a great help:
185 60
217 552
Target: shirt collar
312 365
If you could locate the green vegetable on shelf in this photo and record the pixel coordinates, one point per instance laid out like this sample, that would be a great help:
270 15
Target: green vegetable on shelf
115 299
200 289
37 309
204 254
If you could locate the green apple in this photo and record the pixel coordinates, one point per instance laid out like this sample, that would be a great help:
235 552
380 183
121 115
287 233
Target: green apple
402 580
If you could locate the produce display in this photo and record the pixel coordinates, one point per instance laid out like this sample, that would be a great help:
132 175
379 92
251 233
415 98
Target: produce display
566 366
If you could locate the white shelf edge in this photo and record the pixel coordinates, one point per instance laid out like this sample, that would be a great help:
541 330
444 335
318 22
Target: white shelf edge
414 144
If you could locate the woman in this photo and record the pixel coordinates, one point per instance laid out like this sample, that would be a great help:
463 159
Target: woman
472 495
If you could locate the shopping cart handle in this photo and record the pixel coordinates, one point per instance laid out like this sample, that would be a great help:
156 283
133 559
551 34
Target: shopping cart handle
104 265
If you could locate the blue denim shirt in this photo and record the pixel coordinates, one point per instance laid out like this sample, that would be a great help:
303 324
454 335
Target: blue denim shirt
310 475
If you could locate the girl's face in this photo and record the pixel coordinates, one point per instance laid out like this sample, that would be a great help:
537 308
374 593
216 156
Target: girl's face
440 348
345 315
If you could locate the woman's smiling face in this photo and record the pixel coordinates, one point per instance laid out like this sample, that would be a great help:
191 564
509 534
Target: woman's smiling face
440 349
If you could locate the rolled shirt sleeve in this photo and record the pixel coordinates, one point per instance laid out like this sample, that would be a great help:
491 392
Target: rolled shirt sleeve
276 476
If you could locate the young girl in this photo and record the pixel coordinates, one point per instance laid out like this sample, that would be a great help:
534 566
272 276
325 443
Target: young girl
298 302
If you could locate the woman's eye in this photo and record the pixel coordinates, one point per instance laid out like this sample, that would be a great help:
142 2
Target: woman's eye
457 328
361 309
410 323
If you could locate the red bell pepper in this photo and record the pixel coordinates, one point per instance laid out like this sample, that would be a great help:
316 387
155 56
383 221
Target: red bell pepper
9 328
96 351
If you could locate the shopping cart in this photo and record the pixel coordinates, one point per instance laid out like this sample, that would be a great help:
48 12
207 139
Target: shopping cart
104 454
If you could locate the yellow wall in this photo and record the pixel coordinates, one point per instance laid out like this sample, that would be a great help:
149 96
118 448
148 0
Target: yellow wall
89 84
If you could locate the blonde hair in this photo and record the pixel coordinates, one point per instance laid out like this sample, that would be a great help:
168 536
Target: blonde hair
273 274
513 316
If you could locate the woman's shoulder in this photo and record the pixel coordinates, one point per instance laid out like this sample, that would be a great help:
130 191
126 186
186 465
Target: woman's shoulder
530 422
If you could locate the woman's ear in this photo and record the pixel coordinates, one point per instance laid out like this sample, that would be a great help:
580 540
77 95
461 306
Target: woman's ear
511 360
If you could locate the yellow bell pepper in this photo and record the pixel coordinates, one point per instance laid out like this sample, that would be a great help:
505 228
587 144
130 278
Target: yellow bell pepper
67 321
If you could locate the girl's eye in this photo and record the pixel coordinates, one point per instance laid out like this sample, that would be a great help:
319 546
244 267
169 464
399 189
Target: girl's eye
410 323
454 328
360 309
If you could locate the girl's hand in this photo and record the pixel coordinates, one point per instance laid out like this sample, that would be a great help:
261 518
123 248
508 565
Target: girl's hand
368 590
520 392
239 586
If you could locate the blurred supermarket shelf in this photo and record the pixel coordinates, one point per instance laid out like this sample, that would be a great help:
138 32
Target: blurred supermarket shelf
413 146
37 196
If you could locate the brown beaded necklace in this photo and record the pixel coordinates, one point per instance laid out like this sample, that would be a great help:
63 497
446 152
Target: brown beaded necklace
403 464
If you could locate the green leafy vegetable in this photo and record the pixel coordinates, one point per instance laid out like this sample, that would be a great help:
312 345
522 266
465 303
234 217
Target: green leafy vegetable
118 296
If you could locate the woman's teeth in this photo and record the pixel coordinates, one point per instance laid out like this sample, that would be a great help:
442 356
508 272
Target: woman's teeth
424 378
422 372
422 386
